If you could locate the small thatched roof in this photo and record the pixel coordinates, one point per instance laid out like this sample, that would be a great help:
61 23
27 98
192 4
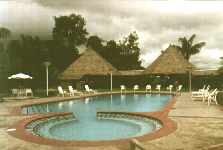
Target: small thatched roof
89 63
171 61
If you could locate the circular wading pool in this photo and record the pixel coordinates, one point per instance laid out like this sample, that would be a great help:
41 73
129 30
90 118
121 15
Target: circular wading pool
98 118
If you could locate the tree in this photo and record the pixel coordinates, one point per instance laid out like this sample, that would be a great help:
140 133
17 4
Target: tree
4 59
220 69
112 53
95 43
130 52
68 33
188 47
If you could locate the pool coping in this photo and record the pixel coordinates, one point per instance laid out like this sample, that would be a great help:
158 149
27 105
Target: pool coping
169 125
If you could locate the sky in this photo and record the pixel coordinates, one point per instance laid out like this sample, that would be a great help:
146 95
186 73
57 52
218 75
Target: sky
158 23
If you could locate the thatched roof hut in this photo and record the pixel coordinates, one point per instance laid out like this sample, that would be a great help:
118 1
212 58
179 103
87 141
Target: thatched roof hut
89 63
171 61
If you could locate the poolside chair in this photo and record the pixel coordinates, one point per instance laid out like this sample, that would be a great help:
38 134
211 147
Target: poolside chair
89 90
204 87
201 94
213 97
72 92
135 88
148 87
179 88
206 93
158 87
15 92
122 88
170 87
29 91
61 91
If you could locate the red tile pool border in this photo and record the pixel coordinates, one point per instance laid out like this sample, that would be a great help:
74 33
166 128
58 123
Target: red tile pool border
169 126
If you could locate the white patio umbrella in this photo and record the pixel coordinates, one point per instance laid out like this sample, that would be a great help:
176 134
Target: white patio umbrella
20 76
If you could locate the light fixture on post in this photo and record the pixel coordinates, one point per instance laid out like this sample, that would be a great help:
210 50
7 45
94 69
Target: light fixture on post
190 76
47 64
111 82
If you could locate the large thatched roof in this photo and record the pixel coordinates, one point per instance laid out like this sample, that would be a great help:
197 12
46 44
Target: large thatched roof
89 63
171 61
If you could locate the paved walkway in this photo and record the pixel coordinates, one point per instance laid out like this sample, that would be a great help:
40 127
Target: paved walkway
199 127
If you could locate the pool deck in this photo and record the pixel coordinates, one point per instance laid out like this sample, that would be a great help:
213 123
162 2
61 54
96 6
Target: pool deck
199 127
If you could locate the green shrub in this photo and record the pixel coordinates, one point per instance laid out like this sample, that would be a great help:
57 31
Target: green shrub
220 98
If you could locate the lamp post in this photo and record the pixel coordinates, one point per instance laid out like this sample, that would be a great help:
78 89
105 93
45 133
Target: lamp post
111 82
190 76
47 64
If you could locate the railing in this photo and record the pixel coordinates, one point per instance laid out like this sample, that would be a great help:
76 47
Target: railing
135 144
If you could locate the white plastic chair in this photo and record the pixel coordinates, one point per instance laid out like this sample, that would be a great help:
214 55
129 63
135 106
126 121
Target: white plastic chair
15 92
201 93
170 87
122 88
148 87
213 97
206 93
28 91
61 91
158 87
135 88
88 89
72 91
204 87
179 88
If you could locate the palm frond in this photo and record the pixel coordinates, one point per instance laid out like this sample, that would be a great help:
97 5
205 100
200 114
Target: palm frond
192 38
198 45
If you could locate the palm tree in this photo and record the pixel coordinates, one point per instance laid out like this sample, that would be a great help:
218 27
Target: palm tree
188 48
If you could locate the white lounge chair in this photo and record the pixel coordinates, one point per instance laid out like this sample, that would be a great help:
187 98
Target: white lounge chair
148 87
170 87
61 91
135 88
158 87
204 87
72 92
201 94
122 88
213 97
88 89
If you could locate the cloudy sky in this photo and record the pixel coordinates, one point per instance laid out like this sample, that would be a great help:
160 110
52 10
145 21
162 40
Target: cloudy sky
157 23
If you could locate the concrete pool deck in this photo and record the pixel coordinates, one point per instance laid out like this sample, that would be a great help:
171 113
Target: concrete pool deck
199 127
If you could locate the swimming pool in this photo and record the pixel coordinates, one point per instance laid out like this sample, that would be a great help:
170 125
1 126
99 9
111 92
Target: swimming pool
89 123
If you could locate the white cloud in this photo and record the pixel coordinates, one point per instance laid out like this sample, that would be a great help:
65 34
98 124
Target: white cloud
208 58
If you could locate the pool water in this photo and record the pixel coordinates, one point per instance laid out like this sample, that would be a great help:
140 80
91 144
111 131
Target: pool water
88 127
